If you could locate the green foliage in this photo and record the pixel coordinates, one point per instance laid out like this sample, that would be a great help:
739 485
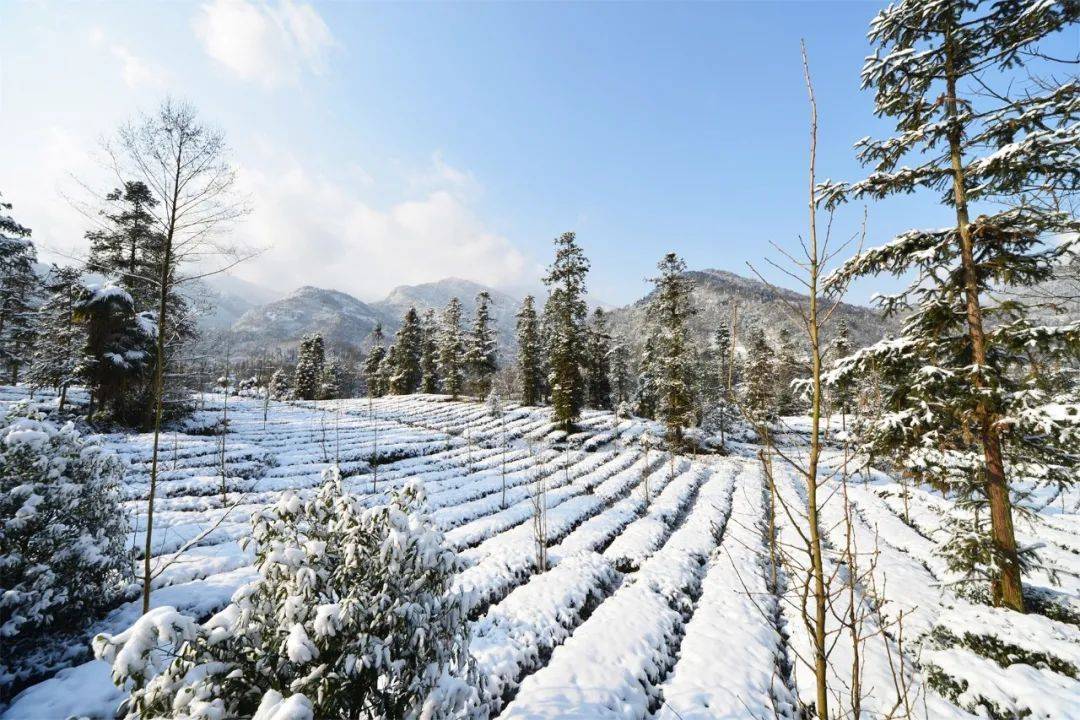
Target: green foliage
565 314
310 366
529 353
452 350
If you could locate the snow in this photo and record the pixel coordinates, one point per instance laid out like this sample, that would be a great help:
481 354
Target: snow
654 605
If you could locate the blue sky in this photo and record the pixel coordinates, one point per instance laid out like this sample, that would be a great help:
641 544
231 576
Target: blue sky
396 143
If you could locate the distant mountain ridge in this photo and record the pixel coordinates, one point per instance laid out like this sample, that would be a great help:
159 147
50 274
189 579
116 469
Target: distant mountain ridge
345 321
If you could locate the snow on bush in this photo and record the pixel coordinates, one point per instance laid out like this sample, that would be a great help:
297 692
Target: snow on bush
351 617
62 534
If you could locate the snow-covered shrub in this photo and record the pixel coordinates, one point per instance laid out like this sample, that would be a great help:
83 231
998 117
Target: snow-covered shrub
351 618
62 531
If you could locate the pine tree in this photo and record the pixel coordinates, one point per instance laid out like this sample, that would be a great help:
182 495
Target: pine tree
18 285
452 349
598 362
480 357
759 393
128 241
973 417
720 412
648 378
529 350
407 351
788 371
565 314
118 354
842 392
335 381
429 355
373 370
668 313
61 339
622 385
280 388
309 367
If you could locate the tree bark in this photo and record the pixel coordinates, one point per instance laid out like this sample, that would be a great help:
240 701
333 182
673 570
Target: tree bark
1008 588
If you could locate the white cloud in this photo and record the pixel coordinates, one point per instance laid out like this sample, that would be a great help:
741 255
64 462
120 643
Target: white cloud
319 232
264 43
136 71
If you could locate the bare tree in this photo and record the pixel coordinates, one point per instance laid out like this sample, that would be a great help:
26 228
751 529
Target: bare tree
185 165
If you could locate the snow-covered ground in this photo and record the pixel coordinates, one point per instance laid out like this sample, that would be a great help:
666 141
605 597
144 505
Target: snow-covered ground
656 601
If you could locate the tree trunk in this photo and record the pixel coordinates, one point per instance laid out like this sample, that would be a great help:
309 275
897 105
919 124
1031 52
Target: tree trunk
1008 589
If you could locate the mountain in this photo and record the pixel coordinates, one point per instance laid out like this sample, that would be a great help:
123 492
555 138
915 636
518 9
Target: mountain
339 317
436 295
225 298
716 292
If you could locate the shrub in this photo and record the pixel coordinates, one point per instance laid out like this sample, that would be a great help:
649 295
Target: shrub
351 617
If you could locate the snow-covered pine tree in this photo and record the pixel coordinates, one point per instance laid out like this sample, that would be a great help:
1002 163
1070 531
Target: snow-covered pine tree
789 370
972 416
373 370
310 364
123 246
62 537
407 352
842 392
452 349
335 380
280 387
529 351
480 355
720 412
565 314
668 314
351 617
429 355
118 354
61 340
648 382
18 285
759 381
622 384
598 362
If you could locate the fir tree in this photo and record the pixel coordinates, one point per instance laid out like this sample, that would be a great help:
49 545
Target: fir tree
408 349
622 385
480 358
648 381
18 285
280 388
373 364
598 362
759 394
118 354
971 416
565 314
61 339
335 381
529 349
842 392
720 412
429 355
452 349
309 367
128 243
669 312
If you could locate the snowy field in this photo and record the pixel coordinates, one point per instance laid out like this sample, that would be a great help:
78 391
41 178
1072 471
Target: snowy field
656 602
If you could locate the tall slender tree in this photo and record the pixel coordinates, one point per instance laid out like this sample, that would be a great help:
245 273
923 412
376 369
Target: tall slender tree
408 348
452 349
529 351
310 366
622 385
759 392
429 355
565 314
942 72
18 285
373 369
669 312
61 338
480 355
598 362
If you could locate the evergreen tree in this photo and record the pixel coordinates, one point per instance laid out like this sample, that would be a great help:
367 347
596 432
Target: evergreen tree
788 371
622 385
598 362
18 285
61 339
480 357
118 355
648 380
759 393
452 349
719 413
373 363
842 392
972 415
668 313
280 388
127 244
407 353
529 350
429 355
565 314
335 381
309 367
